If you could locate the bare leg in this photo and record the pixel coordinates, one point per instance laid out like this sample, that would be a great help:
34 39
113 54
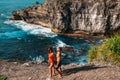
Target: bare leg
50 69
53 70
60 69
60 74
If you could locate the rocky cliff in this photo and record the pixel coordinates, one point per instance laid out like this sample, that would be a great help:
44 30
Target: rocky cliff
74 16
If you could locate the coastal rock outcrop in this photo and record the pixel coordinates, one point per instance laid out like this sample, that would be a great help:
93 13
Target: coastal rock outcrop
90 17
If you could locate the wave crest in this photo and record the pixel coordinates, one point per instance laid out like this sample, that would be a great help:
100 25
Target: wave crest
32 29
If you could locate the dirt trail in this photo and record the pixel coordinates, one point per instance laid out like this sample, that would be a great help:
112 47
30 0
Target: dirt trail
34 71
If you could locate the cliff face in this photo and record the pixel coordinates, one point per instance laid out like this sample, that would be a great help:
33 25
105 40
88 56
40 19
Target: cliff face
75 16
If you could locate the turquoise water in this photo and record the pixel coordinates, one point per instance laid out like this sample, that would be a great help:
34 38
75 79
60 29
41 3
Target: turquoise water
23 41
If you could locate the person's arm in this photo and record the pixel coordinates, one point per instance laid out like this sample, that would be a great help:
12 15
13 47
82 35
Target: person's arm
54 57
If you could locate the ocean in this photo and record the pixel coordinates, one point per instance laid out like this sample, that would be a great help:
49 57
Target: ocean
28 42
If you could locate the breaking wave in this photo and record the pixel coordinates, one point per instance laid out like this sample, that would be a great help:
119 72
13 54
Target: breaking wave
32 29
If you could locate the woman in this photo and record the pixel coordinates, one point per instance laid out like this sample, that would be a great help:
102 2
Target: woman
51 61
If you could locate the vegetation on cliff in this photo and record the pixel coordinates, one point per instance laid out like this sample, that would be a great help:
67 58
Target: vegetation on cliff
108 51
2 78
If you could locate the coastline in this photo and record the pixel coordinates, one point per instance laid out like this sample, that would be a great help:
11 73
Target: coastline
78 35
82 35
65 18
100 14
35 71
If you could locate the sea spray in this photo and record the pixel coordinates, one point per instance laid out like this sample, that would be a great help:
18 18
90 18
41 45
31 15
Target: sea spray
32 29
38 59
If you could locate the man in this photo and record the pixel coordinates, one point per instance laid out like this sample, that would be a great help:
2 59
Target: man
58 57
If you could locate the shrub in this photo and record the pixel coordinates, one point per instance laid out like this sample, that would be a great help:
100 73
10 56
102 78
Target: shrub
2 77
92 53
108 51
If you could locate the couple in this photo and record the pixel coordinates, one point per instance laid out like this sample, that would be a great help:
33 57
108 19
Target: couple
52 62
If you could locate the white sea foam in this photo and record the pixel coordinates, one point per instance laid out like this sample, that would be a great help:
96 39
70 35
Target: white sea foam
38 59
35 30
32 29
60 43
82 60
2 14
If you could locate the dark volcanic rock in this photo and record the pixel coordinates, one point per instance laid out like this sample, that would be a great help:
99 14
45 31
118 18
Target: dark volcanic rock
75 16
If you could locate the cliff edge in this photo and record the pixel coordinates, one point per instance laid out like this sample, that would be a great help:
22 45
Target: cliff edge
92 17
34 71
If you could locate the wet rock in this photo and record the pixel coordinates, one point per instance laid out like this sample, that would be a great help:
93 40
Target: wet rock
90 41
68 49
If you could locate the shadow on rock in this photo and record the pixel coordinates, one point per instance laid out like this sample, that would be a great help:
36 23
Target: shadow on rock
81 68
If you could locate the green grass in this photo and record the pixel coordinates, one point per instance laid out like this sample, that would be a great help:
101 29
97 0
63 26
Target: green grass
3 77
108 51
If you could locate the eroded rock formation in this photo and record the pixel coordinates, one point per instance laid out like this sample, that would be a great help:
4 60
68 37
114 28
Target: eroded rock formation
74 16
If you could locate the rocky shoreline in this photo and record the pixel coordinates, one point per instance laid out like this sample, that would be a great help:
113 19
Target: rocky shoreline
94 18
34 71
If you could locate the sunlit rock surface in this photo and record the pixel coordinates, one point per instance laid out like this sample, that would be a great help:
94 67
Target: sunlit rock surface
90 17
